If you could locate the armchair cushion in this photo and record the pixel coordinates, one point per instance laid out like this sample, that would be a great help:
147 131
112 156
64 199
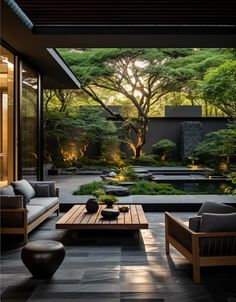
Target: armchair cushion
211 222
52 186
7 190
22 187
194 223
217 208
11 202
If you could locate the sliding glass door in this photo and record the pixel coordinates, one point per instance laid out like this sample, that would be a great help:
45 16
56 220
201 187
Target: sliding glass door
29 123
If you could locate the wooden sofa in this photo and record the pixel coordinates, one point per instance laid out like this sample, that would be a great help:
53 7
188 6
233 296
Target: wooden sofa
200 248
21 218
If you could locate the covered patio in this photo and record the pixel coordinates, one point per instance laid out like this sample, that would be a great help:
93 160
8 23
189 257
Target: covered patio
115 267
112 265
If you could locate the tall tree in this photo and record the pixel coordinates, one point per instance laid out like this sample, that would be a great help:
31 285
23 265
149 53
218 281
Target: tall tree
141 76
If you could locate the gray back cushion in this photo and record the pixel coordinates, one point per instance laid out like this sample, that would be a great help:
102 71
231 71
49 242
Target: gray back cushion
11 202
218 222
42 190
22 187
7 190
52 186
214 207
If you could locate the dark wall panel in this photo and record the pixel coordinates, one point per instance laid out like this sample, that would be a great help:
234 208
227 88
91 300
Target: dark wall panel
162 128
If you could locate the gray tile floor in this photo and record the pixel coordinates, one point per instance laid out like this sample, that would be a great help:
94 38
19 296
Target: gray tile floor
114 267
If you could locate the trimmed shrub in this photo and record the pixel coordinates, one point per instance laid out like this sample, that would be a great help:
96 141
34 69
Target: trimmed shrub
153 188
142 187
164 147
88 189
127 174
146 160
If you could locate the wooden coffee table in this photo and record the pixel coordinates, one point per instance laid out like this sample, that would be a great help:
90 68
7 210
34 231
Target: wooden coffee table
78 218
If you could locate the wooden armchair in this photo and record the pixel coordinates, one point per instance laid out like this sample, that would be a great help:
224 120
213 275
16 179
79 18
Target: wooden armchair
201 249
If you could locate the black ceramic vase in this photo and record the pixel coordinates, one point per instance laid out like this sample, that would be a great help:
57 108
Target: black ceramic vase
92 205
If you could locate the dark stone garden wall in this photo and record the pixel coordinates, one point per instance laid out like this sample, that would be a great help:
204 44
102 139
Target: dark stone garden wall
160 128
191 134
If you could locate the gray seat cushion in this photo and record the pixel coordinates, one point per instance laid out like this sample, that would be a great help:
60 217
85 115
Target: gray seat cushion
7 190
52 186
22 187
214 207
11 202
218 222
34 212
46 202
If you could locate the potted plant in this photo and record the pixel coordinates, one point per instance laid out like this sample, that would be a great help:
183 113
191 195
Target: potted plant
98 192
107 199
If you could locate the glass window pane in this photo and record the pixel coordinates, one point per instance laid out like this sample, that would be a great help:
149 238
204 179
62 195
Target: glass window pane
29 123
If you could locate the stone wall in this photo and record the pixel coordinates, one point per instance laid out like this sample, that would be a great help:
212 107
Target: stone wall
191 134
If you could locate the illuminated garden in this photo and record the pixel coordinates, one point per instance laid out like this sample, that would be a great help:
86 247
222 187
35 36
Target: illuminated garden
113 123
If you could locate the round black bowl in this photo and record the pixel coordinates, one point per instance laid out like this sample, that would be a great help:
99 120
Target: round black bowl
110 213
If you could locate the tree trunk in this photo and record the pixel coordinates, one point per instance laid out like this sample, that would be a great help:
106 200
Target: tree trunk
137 148
138 151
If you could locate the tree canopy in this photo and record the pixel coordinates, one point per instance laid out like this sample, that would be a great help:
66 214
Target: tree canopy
142 77
69 134
219 87
219 145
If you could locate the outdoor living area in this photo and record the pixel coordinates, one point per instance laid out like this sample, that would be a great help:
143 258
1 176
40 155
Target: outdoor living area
115 266
117 151
121 259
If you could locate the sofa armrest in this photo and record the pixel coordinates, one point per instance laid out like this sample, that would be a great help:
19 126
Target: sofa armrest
11 202
178 234
12 218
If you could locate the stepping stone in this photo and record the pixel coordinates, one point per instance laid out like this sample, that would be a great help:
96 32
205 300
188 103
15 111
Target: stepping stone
144 176
116 190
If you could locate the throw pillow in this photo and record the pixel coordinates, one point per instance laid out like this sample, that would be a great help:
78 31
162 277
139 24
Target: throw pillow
214 207
52 186
22 187
11 202
194 223
42 190
218 222
7 190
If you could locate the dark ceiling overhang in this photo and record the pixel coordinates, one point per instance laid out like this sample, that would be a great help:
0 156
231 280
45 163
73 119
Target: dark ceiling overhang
33 26
138 29
17 32
129 12
128 16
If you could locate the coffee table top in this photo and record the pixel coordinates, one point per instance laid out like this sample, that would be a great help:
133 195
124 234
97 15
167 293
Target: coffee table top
78 218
